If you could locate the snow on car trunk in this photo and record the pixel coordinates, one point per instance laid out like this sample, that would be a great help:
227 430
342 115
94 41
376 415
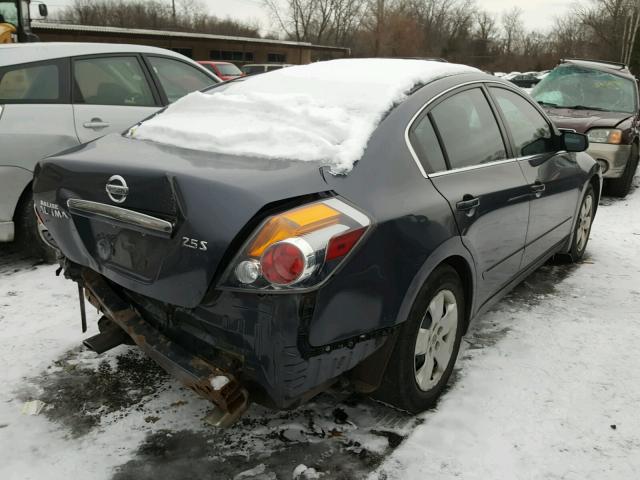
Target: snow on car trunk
324 111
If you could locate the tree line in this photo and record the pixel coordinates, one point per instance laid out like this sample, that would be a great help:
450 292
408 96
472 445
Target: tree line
462 31
458 30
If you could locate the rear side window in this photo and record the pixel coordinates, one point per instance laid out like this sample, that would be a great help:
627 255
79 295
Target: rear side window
425 143
530 131
468 129
178 78
35 83
111 81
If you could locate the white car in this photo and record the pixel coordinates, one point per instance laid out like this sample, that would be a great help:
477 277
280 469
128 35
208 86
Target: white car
54 96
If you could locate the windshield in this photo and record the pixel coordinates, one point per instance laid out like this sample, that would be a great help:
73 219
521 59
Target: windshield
583 88
9 12
229 69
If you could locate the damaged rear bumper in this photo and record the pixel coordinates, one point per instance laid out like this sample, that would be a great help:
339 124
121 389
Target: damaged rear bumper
259 343
209 381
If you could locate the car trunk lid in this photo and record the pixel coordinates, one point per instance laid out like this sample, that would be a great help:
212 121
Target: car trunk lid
160 220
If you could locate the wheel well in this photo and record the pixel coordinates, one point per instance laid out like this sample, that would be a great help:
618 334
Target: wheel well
462 268
595 182
21 200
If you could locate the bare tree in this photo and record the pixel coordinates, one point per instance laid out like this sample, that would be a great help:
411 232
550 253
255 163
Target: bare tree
191 15
513 28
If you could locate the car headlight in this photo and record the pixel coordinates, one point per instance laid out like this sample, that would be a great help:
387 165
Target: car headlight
605 135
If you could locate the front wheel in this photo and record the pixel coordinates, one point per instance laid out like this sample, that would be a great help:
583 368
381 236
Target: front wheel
427 345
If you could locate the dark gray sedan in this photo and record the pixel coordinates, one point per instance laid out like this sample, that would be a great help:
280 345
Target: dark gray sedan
252 269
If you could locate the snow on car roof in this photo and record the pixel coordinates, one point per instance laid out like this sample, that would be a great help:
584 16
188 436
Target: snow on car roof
324 111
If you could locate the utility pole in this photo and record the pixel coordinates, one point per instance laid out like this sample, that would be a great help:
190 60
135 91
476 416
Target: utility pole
173 10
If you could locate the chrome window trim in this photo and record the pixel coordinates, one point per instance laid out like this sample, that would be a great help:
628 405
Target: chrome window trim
119 214
416 159
472 167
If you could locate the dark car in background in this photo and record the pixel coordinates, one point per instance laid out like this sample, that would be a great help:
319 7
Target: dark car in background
248 276
599 99
525 80
256 68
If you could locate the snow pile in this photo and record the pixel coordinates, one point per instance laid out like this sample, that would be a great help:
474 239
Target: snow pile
324 111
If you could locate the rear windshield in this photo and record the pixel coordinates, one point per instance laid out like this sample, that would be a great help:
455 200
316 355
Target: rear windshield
573 86
228 69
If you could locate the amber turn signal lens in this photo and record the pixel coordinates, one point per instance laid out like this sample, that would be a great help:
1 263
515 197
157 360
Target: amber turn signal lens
292 224
615 137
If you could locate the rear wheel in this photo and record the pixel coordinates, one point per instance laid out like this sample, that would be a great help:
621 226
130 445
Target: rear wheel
27 236
620 187
427 345
582 230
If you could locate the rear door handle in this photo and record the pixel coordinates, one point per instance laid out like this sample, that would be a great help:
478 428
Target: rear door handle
469 203
96 124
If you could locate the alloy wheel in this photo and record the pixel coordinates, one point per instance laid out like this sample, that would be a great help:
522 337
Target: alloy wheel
436 339
584 222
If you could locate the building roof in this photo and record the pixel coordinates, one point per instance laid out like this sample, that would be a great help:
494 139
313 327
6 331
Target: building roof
11 54
168 33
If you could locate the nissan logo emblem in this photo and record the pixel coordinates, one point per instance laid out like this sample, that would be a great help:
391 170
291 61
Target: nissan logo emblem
117 189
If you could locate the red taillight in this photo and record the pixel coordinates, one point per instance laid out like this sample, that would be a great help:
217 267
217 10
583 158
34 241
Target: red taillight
282 263
340 245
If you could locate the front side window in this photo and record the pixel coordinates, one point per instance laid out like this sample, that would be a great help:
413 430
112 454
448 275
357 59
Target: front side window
33 83
468 129
583 88
530 131
178 78
111 81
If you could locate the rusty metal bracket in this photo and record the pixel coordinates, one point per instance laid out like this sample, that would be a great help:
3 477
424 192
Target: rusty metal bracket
216 385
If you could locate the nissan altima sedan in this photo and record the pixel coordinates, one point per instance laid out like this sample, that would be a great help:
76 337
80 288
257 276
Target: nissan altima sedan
322 222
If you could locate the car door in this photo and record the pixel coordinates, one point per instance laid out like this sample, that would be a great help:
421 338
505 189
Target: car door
176 78
552 175
36 120
110 93
485 189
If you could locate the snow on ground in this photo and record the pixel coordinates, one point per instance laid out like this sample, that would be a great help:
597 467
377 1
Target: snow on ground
547 386
328 113
557 397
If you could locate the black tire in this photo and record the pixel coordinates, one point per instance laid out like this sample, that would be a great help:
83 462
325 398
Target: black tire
27 237
578 248
399 386
619 187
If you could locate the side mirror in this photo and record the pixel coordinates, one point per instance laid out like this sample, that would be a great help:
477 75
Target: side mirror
574 142
43 10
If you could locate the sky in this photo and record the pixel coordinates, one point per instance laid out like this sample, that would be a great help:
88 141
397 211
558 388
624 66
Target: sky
538 14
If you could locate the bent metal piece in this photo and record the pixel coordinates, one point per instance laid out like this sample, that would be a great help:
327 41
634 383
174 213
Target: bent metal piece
203 378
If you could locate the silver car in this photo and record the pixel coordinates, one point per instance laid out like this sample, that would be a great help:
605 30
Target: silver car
54 96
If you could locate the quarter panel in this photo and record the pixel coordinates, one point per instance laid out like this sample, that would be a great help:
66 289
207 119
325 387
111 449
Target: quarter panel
30 132
13 181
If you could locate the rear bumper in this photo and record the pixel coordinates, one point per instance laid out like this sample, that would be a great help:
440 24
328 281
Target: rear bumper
260 342
615 157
